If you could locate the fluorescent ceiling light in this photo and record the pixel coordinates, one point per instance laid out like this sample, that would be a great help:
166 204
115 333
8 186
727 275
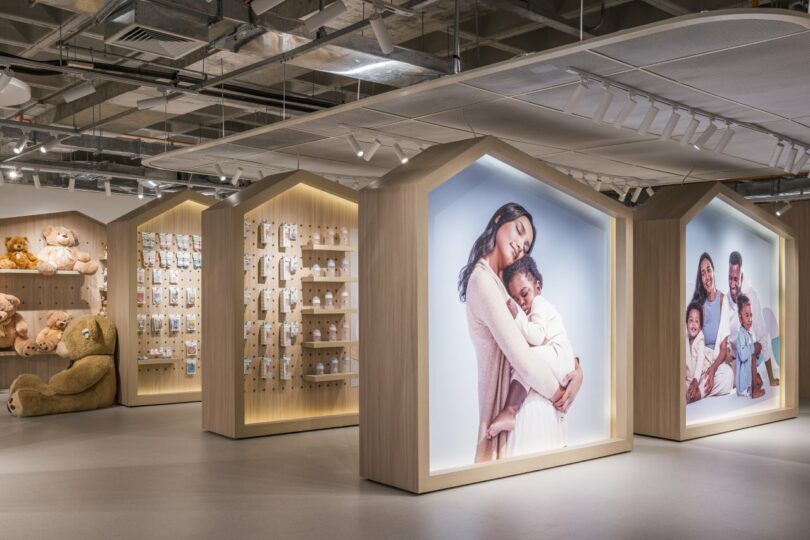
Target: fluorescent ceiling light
628 107
648 118
690 130
324 16
235 179
381 33
151 103
670 126
576 97
599 115
725 138
356 148
791 157
372 150
704 137
776 154
77 92
400 154
261 6
797 166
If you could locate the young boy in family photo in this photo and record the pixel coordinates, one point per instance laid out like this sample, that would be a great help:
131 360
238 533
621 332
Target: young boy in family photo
540 324
748 381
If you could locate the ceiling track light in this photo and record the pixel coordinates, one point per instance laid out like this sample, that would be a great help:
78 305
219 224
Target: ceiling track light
700 142
152 103
671 124
157 192
636 194
237 176
598 185
20 146
803 157
49 145
35 176
356 148
599 115
220 172
725 138
71 184
790 159
776 154
624 193
381 33
324 16
261 6
649 117
107 187
400 154
784 209
140 190
79 91
650 191
691 127
576 97
625 112
372 150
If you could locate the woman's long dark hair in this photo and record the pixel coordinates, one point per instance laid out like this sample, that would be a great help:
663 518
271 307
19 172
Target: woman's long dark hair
700 294
486 242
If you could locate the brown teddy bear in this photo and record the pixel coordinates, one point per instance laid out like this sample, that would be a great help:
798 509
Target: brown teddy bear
88 383
13 330
18 256
48 338
61 253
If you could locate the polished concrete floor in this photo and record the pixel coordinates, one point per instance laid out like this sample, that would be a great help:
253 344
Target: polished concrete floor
150 473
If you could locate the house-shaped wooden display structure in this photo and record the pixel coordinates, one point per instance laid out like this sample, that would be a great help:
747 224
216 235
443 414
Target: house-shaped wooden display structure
662 272
68 291
279 244
155 365
395 330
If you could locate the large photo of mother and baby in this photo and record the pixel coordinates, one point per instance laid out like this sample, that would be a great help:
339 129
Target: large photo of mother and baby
519 291
732 302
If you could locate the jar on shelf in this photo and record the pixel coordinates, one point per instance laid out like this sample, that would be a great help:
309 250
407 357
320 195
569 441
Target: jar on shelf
316 302
332 332
330 267
316 270
330 236
316 239
316 335
344 299
346 362
319 369
346 331
329 300
344 236
334 366
344 267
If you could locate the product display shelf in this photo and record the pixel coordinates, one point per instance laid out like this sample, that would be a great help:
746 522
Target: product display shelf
328 279
38 273
310 310
158 361
323 247
327 344
327 377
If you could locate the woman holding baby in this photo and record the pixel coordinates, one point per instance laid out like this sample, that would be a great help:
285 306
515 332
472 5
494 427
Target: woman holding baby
500 345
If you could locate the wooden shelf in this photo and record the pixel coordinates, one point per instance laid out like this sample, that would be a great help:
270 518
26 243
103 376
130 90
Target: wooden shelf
325 279
327 344
37 272
14 353
309 310
326 377
324 247
158 361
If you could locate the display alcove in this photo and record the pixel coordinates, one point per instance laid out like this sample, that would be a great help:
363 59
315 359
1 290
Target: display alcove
280 319
695 242
155 281
68 291
436 370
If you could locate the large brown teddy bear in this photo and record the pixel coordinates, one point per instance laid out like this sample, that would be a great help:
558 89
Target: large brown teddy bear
61 253
13 330
88 383
49 337
18 256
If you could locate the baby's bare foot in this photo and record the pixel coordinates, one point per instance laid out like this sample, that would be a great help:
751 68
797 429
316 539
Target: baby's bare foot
757 393
505 421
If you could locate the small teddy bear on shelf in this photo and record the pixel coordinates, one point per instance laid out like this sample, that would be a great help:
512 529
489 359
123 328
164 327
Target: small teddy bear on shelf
18 256
13 330
48 338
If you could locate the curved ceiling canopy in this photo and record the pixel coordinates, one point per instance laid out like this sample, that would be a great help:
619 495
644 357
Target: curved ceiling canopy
746 70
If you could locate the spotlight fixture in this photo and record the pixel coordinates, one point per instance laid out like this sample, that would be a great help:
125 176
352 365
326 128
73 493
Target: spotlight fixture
372 150
598 185
700 142
671 124
20 146
576 97
725 138
650 191
151 103
35 176
784 209
803 157
648 118
776 154
636 194
261 6
140 190
626 110
49 145
400 154
791 157
220 172
324 16
14 174
71 183
691 127
623 196
79 91
356 148
157 192
599 115
381 33
107 187
236 176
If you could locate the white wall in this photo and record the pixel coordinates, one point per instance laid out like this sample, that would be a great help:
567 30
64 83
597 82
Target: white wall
23 200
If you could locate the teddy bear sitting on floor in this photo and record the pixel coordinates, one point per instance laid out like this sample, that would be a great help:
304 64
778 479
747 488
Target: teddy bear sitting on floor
88 383
49 337
18 256
13 330
61 253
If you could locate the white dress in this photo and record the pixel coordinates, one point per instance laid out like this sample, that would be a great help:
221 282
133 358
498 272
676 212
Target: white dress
537 428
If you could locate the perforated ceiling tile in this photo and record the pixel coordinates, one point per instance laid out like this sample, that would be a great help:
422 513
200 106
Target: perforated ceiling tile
537 150
696 39
331 125
427 132
544 74
226 151
280 138
433 101
338 150
772 76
